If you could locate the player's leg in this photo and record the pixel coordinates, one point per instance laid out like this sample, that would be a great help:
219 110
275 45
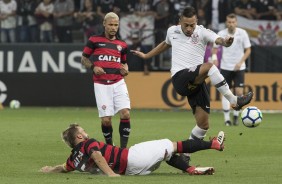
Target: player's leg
104 100
190 146
200 104
200 129
225 103
146 157
210 70
122 105
239 84
202 124
124 127
177 162
194 145
107 129
238 91
226 111
198 98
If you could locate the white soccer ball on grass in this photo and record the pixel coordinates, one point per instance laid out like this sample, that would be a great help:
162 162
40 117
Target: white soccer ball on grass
251 116
15 104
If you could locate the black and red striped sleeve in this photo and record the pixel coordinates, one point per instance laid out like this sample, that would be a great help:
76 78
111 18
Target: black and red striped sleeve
88 48
91 145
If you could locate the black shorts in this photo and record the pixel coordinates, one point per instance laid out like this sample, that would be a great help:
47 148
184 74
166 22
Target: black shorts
197 95
234 78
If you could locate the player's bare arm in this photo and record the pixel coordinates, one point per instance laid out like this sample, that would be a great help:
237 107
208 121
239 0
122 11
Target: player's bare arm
53 169
226 42
124 69
243 59
102 164
163 46
88 64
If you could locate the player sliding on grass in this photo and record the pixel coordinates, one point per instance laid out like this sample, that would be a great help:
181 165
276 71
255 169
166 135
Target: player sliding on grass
141 159
188 42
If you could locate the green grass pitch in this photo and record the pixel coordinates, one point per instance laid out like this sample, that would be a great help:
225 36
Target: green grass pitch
30 139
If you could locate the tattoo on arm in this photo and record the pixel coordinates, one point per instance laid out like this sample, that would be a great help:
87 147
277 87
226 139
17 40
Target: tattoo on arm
220 41
86 62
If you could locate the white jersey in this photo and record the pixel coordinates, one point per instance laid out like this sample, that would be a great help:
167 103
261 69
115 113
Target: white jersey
187 51
233 54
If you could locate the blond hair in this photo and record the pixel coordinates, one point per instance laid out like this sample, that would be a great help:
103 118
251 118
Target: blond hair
111 15
69 135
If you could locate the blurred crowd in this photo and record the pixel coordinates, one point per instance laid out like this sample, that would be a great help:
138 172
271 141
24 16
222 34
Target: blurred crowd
55 20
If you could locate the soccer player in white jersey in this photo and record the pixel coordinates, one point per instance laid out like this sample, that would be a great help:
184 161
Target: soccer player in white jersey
233 63
188 42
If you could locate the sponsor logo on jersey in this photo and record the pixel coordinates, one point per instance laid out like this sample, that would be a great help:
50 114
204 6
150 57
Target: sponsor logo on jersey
102 44
78 158
109 58
119 48
195 38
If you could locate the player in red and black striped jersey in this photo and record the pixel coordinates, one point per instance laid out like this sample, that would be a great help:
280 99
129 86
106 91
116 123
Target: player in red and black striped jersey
108 63
107 54
80 158
90 155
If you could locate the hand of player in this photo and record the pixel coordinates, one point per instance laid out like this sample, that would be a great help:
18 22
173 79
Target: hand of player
98 70
237 67
114 175
228 41
124 69
138 53
46 169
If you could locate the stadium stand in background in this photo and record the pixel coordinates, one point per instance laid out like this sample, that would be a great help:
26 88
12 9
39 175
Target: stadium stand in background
73 21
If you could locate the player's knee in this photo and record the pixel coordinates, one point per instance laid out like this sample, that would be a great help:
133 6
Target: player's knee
106 122
208 66
124 114
205 69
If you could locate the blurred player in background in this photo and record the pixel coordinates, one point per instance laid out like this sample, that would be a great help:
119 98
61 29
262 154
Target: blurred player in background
188 41
90 155
233 65
109 68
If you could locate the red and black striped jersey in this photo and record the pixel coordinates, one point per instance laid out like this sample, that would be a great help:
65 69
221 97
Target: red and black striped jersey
80 157
107 54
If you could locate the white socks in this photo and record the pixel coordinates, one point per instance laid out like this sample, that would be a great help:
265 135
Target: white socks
219 82
226 109
198 132
236 113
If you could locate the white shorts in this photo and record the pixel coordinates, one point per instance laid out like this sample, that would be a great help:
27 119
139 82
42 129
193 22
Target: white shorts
144 158
111 98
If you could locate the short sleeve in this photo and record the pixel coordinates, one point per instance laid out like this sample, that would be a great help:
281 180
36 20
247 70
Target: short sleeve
209 35
91 146
246 40
167 40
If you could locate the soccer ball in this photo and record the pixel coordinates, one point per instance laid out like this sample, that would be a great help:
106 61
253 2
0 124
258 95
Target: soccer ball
15 104
251 116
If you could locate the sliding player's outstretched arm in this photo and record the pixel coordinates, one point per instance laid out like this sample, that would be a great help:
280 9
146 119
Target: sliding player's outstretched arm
54 169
